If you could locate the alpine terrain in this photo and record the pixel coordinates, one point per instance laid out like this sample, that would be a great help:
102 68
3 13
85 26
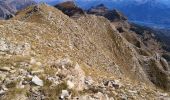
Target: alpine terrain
67 53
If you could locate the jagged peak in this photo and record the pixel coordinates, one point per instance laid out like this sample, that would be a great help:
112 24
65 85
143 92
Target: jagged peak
70 8
102 10
67 4
101 6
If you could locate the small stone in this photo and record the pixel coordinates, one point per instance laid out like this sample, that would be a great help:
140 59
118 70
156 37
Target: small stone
55 80
64 63
37 81
134 92
13 67
29 76
20 85
99 96
1 26
2 77
64 94
32 61
4 88
163 94
113 83
37 72
5 69
12 71
38 63
89 80
70 84
3 45
2 92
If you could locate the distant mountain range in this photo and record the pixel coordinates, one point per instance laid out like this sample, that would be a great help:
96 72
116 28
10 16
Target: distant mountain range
152 13
149 12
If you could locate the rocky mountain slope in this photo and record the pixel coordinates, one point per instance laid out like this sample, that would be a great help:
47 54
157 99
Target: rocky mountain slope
8 8
70 9
47 55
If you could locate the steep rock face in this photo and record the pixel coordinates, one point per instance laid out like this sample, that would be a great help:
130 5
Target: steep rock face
70 9
8 8
61 52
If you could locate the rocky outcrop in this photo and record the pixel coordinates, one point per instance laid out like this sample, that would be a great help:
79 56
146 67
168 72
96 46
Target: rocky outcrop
70 8
112 15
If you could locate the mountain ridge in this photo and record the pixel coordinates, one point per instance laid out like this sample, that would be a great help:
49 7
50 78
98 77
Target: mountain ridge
47 53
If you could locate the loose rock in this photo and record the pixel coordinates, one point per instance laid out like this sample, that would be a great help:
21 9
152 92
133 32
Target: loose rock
5 69
37 81
64 94
2 92
70 84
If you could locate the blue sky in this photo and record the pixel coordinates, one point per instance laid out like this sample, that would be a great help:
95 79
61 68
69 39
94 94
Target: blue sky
106 0
167 2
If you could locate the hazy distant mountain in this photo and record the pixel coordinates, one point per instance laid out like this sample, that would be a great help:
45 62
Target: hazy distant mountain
151 12
154 12
9 7
21 4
